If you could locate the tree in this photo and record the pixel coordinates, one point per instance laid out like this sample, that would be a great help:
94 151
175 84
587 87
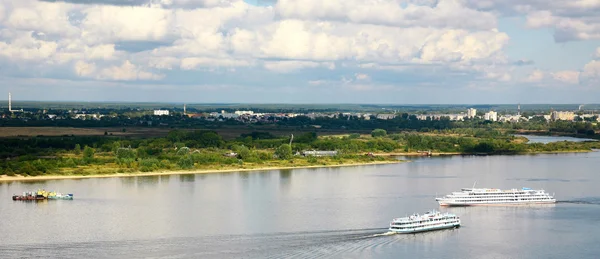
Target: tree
284 152
186 162
88 154
77 149
378 133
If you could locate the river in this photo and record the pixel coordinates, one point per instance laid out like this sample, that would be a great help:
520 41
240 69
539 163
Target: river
548 139
311 213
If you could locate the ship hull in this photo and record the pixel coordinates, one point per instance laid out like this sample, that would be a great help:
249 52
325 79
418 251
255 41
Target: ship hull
462 204
424 229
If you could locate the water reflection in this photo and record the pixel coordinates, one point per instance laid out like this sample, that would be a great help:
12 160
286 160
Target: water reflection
128 181
189 178
147 181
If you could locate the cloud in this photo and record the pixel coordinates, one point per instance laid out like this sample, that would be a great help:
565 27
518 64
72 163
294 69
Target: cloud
84 69
443 14
155 3
354 45
571 20
125 72
105 24
359 76
569 77
535 76
591 72
194 63
597 55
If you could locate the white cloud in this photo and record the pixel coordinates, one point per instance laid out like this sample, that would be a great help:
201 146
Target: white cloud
23 47
571 20
2 13
105 24
193 63
443 14
597 55
293 65
535 76
362 76
49 18
455 39
126 72
591 72
84 69
569 77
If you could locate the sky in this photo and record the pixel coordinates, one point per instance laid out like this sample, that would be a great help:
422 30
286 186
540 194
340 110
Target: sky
301 51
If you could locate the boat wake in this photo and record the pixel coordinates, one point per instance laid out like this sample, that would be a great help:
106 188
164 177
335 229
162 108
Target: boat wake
304 244
586 201
389 233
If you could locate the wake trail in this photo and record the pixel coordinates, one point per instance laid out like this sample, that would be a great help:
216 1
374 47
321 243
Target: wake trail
389 233
584 202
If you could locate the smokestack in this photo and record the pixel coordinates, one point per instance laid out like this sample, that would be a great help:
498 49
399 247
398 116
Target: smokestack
184 112
9 102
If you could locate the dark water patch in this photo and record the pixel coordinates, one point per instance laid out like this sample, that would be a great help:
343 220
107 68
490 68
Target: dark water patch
584 201
415 176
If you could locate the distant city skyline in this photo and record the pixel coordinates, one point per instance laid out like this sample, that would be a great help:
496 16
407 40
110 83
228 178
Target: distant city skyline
301 51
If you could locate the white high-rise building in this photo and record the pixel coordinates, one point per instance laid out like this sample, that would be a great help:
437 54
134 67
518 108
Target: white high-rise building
565 116
9 102
491 116
471 113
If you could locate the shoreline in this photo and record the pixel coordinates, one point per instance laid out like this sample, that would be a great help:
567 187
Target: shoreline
410 154
5 178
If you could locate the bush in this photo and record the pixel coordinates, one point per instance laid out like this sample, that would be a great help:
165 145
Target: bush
284 152
378 133
149 165
125 155
186 162
88 154
354 136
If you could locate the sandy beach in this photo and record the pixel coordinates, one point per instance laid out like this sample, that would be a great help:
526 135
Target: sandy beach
5 178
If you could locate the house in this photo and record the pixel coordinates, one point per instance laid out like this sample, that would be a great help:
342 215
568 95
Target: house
161 112
319 153
386 116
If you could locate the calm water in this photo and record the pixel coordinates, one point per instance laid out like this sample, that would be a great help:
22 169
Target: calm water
316 213
548 139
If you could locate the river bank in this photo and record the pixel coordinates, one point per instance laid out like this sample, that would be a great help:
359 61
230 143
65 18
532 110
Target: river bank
5 178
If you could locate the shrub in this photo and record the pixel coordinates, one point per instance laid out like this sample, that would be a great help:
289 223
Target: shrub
284 152
186 162
378 133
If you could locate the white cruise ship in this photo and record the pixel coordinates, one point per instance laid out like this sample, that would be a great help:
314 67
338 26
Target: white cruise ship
432 220
487 196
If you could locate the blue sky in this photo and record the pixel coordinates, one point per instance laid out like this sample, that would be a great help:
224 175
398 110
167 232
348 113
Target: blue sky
301 51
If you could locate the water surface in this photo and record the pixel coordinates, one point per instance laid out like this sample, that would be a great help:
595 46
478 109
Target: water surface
550 139
311 213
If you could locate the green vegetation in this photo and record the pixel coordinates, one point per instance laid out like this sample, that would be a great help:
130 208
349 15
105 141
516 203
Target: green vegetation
180 150
378 133
207 150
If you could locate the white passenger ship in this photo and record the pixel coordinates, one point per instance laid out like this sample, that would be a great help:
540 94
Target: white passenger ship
432 220
486 196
